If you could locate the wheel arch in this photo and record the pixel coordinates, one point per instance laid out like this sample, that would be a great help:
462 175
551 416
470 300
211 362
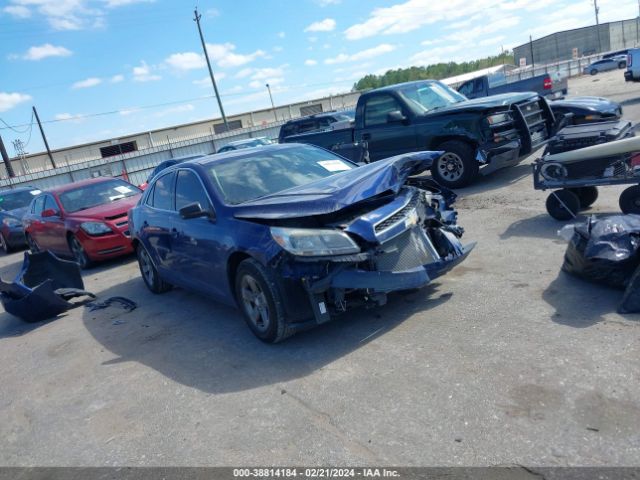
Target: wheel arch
234 260
439 140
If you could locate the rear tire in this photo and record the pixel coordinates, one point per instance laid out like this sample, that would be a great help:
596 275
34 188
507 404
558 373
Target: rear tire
79 253
259 299
457 167
622 65
31 243
4 244
563 205
586 195
593 71
149 272
630 200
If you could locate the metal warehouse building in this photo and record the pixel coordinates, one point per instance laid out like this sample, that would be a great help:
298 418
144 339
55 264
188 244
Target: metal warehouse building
579 42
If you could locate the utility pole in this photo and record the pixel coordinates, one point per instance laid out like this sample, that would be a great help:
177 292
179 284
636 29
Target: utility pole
272 104
597 10
5 159
533 62
213 80
44 138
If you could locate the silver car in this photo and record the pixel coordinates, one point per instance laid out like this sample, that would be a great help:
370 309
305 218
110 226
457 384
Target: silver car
612 63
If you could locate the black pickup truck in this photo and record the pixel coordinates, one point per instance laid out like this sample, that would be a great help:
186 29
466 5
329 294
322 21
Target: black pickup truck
476 136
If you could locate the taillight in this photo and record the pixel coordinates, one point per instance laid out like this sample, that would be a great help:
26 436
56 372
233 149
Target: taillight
548 83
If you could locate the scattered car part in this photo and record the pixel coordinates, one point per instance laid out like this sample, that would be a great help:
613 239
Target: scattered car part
606 250
43 288
123 302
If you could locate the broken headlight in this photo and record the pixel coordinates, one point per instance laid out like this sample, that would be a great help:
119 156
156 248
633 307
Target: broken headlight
314 242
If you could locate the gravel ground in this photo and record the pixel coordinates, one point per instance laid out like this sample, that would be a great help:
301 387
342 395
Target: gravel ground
505 360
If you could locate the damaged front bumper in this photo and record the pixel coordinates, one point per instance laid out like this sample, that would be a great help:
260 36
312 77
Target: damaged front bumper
417 241
493 158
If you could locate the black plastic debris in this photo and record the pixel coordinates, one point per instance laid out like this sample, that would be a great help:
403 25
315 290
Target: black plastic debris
607 251
123 302
43 288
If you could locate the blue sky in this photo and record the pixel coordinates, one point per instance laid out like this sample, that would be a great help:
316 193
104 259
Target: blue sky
139 64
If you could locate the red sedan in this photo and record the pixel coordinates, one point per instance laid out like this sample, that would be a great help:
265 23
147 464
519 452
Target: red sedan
86 220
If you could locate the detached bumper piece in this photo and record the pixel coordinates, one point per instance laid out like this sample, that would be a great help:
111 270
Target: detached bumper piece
43 288
607 251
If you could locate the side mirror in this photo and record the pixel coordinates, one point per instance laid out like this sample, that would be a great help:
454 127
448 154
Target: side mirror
194 210
395 117
49 212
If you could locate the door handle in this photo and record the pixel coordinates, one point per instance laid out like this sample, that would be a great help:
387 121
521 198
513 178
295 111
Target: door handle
366 136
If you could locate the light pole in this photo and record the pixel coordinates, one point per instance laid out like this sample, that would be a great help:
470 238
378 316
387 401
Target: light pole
597 10
273 105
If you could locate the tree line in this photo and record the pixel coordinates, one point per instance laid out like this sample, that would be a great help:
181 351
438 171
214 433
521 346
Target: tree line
437 71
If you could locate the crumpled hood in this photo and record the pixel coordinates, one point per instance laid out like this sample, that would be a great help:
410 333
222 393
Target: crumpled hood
485 103
338 191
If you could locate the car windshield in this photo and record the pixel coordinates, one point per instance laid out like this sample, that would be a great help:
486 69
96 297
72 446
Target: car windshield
428 96
15 200
95 194
266 172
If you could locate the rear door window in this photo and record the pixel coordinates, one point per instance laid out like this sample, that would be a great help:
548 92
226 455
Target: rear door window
50 204
163 197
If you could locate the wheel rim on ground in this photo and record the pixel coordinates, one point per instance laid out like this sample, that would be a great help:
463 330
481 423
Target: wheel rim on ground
146 267
450 166
255 303
78 252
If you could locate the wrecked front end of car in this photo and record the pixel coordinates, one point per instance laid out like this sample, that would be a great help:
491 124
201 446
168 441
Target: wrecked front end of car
400 235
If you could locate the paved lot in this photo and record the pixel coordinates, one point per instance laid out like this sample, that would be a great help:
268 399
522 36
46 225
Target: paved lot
505 360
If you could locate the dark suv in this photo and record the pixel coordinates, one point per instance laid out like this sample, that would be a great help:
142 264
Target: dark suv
314 123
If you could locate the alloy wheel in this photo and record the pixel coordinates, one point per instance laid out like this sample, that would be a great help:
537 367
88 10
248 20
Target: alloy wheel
255 303
78 253
450 166
146 267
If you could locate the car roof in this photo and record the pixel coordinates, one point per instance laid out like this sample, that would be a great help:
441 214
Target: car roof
243 141
403 84
18 189
79 183
331 113
247 152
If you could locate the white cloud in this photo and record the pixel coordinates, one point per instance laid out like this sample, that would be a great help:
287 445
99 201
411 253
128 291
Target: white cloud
310 62
224 56
186 61
143 73
187 107
326 25
281 34
326 3
362 55
120 3
277 48
63 117
206 81
313 39
47 50
212 13
10 100
436 55
245 72
18 11
413 14
87 83
117 78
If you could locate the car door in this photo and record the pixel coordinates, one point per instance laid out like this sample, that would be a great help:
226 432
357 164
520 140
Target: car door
386 138
197 243
34 224
54 233
158 215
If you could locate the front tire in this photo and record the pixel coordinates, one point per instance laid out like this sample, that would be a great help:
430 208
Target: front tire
563 205
457 167
261 303
79 253
149 272
630 200
594 71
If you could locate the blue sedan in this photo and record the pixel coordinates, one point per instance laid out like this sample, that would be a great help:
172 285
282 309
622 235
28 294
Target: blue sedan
294 234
